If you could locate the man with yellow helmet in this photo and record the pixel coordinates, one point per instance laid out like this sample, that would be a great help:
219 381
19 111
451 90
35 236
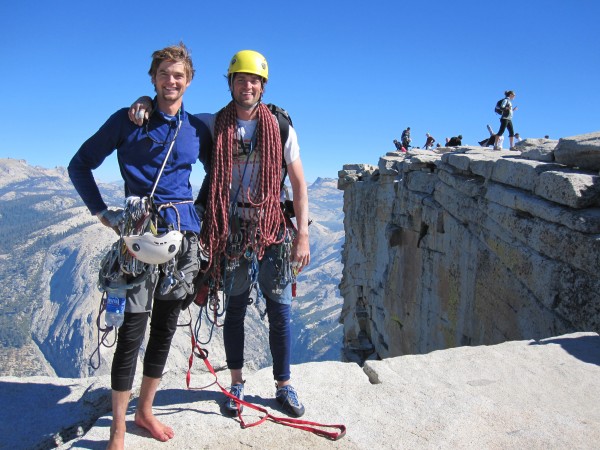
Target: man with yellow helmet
259 152
245 235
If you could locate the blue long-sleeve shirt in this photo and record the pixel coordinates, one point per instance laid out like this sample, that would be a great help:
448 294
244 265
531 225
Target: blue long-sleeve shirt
140 153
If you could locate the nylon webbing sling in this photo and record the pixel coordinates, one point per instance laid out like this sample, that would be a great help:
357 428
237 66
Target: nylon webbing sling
305 425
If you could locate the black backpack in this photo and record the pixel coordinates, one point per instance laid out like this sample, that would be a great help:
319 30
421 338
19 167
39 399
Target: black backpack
498 109
285 121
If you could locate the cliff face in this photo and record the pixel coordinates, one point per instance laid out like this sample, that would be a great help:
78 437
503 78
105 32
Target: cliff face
469 246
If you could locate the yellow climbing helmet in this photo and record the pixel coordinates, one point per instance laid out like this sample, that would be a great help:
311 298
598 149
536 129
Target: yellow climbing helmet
249 61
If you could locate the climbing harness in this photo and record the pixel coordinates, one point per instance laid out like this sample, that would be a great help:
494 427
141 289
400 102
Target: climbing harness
145 244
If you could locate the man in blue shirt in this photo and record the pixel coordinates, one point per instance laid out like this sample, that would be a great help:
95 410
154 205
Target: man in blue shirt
175 139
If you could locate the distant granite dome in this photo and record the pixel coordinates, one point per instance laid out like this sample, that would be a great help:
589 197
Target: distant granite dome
322 182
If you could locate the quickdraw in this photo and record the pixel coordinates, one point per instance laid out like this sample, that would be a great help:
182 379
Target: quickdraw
283 263
206 296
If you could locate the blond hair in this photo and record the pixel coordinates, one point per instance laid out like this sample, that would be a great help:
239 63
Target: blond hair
177 53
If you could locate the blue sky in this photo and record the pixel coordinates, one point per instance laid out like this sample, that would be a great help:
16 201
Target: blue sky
352 74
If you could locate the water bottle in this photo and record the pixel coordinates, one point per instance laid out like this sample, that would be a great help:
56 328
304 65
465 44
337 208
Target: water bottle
115 303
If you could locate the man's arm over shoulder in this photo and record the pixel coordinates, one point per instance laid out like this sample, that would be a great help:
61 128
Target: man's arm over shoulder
208 119
205 156
204 133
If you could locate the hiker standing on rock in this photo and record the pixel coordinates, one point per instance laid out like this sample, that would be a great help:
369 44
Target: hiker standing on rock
406 138
506 119
245 234
429 141
141 152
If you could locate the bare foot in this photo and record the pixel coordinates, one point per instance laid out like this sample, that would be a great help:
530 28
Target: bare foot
157 429
117 438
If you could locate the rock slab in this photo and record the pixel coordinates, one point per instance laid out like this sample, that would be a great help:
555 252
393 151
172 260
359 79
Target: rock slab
520 394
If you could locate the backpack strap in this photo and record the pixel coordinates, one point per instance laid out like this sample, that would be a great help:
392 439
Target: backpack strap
285 121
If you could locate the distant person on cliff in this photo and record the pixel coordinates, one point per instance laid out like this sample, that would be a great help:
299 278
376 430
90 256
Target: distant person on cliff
491 141
245 234
454 141
517 140
141 152
398 146
429 141
406 140
507 110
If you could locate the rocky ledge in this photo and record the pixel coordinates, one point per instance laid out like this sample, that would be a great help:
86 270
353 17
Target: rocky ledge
521 394
471 246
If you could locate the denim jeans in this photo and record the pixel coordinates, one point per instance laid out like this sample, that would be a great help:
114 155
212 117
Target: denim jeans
280 341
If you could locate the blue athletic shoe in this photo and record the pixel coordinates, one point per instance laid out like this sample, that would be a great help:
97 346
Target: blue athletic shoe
288 398
236 390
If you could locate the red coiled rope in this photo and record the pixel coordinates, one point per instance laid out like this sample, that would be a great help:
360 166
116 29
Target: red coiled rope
266 198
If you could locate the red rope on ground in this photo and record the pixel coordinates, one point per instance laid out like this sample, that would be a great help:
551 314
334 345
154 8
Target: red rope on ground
313 427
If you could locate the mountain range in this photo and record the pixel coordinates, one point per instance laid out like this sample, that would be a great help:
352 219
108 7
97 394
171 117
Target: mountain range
50 253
